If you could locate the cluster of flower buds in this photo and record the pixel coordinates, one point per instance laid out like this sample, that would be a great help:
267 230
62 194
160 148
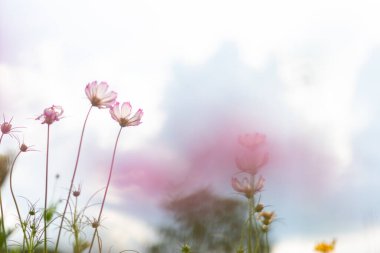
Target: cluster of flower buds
266 219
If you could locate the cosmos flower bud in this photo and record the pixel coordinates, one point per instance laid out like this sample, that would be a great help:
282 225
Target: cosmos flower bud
95 223
267 217
6 128
77 192
51 114
259 207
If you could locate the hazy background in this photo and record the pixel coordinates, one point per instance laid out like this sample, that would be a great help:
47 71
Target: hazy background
305 73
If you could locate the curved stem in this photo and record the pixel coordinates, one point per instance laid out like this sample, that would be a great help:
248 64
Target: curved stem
108 184
72 180
14 199
46 187
1 137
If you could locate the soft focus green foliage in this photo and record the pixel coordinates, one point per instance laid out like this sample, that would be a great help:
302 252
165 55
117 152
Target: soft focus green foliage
209 222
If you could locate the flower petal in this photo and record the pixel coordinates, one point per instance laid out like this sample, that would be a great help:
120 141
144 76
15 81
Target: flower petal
101 89
126 109
136 119
115 112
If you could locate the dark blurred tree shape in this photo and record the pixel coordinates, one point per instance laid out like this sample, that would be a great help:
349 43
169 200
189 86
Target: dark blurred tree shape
207 222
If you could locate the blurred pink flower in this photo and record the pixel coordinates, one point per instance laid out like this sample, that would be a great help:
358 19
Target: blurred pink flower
123 116
51 114
247 186
252 141
98 96
251 162
259 185
242 186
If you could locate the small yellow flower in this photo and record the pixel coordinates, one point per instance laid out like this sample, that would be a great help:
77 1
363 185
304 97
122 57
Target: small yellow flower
325 247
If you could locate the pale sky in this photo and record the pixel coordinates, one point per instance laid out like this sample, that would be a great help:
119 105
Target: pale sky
303 72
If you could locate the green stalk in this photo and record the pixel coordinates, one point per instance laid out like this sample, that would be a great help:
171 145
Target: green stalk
46 188
25 240
255 226
250 226
267 241
75 227
2 223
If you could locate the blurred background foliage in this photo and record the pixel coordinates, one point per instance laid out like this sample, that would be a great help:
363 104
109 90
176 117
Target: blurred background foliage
204 220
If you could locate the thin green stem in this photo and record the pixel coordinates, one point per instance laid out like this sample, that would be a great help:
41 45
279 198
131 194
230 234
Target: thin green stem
75 227
99 241
72 180
108 184
267 242
257 236
255 225
15 201
2 223
46 187
242 235
250 226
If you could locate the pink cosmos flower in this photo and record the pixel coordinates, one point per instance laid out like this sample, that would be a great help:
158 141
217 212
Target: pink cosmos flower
51 114
259 185
252 141
246 186
242 186
251 162
123 115
98 95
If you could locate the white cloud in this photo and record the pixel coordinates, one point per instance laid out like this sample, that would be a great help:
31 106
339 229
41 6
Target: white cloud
131 235
349 242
